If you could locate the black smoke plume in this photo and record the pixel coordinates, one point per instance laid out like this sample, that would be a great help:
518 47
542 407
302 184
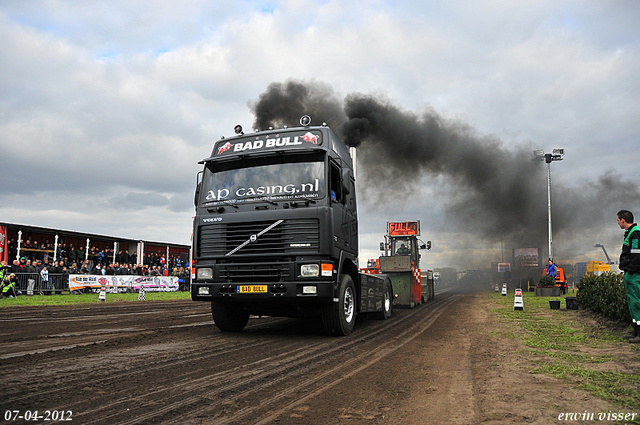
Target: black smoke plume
493 191
284 103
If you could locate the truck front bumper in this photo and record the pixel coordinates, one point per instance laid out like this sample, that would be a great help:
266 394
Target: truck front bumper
299 291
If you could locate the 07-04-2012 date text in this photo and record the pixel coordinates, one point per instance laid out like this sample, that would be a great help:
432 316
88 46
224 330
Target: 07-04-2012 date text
35 415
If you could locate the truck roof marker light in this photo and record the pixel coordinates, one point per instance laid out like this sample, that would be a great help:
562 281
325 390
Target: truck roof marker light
305 121
238 129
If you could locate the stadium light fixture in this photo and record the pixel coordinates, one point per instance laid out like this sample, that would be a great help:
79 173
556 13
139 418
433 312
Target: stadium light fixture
555 155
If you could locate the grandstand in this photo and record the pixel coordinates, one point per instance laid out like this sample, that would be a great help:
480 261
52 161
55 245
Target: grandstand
50 240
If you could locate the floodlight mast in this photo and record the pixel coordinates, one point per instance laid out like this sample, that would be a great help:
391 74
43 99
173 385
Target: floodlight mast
556 155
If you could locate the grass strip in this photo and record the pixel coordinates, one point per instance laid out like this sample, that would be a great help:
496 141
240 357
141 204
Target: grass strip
68 299
562 345
617 387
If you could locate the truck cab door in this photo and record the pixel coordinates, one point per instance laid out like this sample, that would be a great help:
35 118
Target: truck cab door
344 211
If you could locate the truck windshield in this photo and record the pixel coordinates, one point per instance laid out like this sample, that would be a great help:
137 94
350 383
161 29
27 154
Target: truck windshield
274 182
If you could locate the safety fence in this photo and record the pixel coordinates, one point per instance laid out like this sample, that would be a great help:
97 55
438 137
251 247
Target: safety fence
63 283
34 284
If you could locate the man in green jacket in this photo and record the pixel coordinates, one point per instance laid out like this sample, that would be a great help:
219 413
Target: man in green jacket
630 264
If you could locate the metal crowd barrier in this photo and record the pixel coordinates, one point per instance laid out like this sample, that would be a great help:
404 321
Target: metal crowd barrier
32 284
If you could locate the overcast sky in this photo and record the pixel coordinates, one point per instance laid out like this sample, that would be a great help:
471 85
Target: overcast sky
107 106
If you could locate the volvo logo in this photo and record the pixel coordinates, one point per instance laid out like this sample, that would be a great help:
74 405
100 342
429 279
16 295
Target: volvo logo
253 238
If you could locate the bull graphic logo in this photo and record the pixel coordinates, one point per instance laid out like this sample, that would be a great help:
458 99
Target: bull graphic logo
224 148
311 138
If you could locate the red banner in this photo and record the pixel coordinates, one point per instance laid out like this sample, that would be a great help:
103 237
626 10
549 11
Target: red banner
4 255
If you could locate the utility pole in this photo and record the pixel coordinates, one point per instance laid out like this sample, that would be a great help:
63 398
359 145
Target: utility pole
557 155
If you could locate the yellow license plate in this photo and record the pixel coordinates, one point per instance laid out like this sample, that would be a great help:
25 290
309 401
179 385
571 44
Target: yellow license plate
252 289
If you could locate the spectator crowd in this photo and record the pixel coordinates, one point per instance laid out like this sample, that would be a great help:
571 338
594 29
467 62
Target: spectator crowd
36 258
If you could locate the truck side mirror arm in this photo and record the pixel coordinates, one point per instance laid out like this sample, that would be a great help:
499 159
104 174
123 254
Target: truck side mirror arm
425 245
198 187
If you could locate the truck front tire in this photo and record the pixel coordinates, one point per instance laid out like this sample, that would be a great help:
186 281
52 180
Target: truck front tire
340 318
229 317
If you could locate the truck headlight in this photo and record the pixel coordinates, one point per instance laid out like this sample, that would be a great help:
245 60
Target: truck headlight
203 290
310 270
205 273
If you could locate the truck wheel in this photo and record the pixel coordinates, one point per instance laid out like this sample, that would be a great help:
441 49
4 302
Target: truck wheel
387 301
339 318
229 317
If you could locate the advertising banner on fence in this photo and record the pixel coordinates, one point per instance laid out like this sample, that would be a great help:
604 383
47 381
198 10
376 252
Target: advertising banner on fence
124 283
155 283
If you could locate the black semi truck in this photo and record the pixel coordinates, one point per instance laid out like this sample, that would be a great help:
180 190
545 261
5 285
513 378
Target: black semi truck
276 231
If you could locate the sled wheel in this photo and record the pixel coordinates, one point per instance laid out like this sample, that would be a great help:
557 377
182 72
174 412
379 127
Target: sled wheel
387 301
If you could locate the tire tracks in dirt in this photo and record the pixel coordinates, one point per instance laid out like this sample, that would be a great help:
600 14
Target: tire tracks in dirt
190 373
310 369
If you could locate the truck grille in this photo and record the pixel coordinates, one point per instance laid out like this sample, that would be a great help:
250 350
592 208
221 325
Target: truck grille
255 272
216 240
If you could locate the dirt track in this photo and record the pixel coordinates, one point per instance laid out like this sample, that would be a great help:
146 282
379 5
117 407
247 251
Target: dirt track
165 362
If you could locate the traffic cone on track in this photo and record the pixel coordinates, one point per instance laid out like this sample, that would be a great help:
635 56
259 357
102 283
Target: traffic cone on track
518 304
103 294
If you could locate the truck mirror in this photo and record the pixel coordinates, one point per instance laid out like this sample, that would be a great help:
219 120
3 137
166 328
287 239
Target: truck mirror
381 246
198 187
346 178
425 245
345 189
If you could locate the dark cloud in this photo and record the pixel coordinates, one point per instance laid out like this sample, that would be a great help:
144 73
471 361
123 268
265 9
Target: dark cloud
493 191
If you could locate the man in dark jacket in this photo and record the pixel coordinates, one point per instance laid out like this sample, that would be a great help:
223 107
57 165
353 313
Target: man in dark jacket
71 254
80 256
630 264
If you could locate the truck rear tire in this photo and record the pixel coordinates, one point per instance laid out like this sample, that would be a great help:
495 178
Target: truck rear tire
340 318
387 301
229 317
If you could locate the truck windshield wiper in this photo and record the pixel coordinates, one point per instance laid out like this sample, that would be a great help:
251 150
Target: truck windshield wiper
227 202
307 201
231 204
